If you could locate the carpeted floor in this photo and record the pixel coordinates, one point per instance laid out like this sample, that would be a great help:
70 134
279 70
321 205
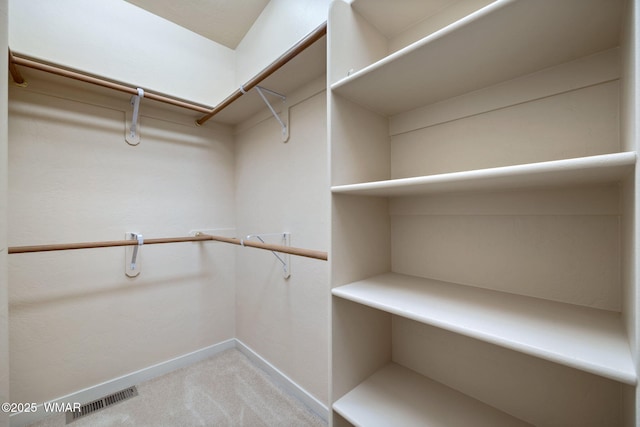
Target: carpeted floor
225 390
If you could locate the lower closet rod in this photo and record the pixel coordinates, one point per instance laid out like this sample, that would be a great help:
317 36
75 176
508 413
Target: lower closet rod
309 253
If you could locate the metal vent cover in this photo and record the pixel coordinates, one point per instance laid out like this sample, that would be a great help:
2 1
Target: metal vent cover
103 402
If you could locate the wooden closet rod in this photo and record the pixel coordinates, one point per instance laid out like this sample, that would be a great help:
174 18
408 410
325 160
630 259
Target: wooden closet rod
307 41
17 60
13 70
198 238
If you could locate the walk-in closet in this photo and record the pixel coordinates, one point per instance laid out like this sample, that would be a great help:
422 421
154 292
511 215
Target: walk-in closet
319 213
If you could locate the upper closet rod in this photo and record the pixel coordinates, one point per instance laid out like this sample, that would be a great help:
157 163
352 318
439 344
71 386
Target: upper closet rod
311 38
309 253
15 74
13 70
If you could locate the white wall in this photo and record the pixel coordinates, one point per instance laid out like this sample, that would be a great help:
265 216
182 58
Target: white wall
76 319
115 39
283 187
281 24
4 350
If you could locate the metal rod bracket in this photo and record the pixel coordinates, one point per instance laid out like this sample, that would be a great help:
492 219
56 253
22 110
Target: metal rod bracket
131 259
285 259
284 123
132 135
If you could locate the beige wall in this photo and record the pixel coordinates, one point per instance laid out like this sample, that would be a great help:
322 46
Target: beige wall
76 319
115 39
283 187
4 352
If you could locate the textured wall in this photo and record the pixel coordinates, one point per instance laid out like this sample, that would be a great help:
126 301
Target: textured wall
283 187
76 319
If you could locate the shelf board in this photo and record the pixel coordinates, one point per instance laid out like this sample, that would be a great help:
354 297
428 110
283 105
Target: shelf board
504 40
397 396
578 171
584 338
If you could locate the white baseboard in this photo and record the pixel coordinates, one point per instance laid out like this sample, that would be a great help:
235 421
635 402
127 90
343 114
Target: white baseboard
285 382
100 390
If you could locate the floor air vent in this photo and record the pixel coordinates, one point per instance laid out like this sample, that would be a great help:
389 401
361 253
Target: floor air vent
102 403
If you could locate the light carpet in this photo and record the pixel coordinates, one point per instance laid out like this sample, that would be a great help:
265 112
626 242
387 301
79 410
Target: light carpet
224 390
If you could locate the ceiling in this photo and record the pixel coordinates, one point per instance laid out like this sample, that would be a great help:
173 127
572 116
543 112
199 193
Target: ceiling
223 21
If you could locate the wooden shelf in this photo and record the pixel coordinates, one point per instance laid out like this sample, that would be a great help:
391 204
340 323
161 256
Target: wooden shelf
579 337
584 170
507 39
397 396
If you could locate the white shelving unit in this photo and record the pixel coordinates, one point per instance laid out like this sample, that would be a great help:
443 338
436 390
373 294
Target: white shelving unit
483 169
